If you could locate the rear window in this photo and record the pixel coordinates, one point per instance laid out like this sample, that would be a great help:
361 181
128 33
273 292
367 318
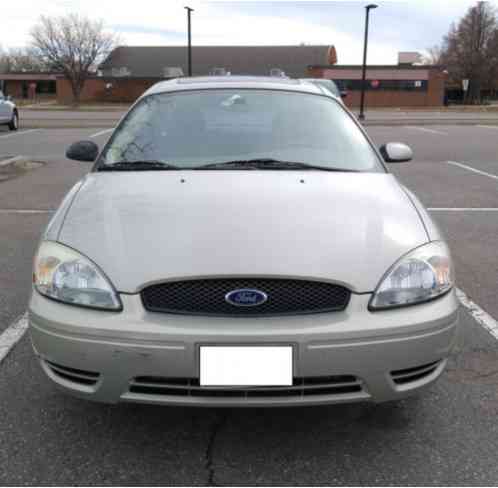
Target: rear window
194 128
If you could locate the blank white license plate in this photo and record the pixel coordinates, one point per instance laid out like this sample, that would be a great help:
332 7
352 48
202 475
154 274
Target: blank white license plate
246 365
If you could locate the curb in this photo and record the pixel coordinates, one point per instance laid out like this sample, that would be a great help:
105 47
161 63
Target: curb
111 123
462 122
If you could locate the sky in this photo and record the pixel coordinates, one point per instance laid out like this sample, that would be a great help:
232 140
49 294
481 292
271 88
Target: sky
409 25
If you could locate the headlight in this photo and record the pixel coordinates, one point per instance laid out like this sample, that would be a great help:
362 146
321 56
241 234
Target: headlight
419 276
65 275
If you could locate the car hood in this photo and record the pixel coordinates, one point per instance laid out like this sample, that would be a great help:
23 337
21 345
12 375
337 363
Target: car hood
146 227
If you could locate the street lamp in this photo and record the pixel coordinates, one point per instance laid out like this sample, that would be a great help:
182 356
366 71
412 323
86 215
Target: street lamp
189 49
364 71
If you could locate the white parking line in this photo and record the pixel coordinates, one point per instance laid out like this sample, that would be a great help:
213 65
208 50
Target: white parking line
5 162
424 129
495 127
12 335
463 209
102 132
480 316
474 170
23 211
20 133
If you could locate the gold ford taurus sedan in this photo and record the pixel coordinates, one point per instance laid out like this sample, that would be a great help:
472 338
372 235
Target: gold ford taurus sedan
240 242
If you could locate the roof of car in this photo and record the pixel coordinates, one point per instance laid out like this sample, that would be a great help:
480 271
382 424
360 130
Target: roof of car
321 82
327 80
237 82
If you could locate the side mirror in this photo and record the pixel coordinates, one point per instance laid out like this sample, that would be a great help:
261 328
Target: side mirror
396 152
8 98
83 151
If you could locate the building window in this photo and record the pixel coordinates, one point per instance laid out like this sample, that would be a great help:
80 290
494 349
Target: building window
401 85
47 87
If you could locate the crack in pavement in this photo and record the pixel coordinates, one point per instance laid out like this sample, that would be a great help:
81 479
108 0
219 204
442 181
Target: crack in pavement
215 430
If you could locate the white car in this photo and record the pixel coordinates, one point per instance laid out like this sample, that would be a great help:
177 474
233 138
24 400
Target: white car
240 242
329 85
9 115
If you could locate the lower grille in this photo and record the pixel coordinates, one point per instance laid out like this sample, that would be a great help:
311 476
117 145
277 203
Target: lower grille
208 297
80 376
323 385
403 376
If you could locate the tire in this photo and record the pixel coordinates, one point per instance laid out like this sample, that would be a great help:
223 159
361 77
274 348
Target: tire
14 123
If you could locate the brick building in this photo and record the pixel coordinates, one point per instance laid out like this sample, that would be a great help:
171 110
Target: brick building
106 89
23 85
388 86
130 70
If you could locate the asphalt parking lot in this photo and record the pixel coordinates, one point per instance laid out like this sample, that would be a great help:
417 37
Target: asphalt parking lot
448 435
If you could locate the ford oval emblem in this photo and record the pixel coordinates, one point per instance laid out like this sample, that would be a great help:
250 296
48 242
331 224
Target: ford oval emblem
246 297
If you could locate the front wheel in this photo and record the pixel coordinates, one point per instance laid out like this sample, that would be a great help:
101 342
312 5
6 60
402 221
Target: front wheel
14 122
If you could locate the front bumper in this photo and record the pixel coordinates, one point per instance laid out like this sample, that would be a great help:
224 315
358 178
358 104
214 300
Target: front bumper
138 356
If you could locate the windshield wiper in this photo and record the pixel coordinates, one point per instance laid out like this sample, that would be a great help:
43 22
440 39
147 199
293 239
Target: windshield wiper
269 163
146 165
251 164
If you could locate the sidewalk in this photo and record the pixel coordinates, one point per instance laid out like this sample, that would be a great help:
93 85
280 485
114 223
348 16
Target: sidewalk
443 109
53 106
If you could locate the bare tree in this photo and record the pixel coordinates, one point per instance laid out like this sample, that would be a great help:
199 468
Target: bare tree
466 48
433 56
3 61
73 45
490 78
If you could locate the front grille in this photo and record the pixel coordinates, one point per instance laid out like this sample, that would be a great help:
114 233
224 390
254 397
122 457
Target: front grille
207 297
403 376
88 378
302 387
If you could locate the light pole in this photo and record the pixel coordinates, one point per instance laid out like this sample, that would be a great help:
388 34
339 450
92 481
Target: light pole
364 71
189 49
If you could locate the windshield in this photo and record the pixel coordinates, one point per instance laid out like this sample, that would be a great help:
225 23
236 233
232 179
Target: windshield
197 128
